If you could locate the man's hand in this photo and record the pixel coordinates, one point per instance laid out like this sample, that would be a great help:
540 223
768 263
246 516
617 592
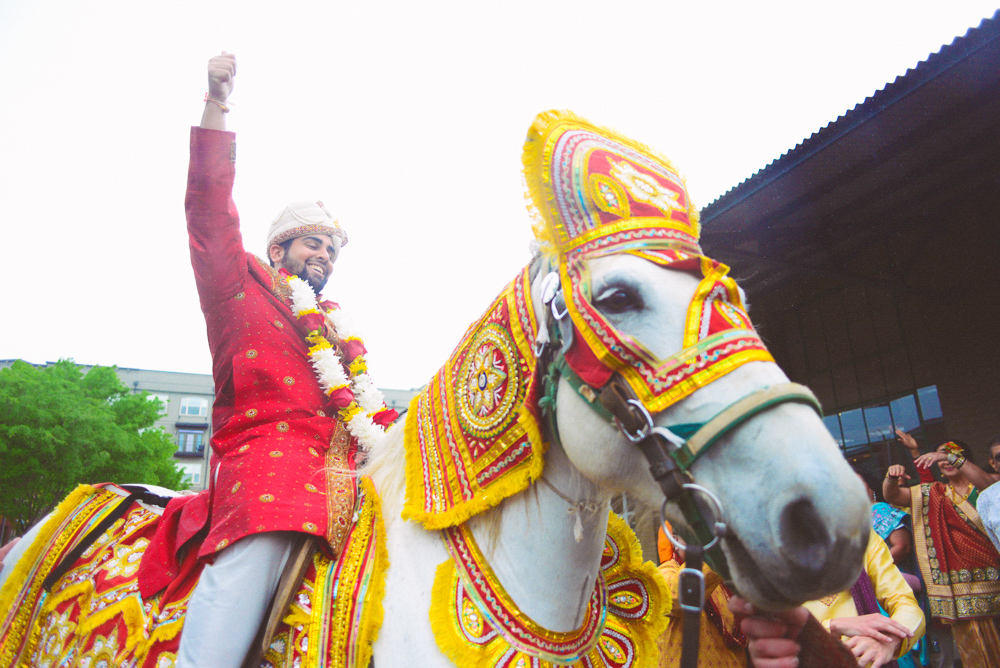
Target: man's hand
221 72
772 638
875 626
871 652
908 442
925 460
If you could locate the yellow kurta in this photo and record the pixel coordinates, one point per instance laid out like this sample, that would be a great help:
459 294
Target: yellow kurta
891 590
713 650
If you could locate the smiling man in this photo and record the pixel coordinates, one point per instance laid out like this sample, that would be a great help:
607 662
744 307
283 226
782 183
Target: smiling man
276 429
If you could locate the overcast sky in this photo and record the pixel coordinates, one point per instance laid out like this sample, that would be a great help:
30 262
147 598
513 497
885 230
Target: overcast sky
405 118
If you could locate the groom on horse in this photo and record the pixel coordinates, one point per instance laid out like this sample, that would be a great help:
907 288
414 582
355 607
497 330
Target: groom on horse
293 401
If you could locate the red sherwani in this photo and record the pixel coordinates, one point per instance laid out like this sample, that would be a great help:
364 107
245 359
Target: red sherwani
273 433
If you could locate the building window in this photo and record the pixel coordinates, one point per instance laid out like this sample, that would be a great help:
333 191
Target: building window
191 441
856 430
194 406
164 399
192 477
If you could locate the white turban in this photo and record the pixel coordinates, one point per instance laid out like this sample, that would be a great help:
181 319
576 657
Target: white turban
300 219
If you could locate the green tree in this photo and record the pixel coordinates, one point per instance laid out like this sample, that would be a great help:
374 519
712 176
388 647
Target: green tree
60 428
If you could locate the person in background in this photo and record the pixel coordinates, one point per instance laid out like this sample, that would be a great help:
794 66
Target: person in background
720 642
988 504
856 616
895 528
959 564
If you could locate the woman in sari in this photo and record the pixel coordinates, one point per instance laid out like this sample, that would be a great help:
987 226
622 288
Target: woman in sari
959 564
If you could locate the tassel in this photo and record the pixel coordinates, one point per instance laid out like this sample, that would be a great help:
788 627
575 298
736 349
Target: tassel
578 527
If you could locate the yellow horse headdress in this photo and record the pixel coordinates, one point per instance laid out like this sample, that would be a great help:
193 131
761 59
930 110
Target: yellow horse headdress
473 436
595 193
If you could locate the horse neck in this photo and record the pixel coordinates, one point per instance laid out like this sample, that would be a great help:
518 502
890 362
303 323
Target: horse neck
530 545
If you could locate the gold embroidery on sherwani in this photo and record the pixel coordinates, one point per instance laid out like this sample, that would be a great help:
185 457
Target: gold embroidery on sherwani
339 489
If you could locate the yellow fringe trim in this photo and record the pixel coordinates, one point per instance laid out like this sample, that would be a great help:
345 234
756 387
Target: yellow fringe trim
371 623
17 623
644 632
449 640
337 650
507 485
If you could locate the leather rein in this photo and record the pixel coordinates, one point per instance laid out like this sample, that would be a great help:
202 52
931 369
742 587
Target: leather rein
670 451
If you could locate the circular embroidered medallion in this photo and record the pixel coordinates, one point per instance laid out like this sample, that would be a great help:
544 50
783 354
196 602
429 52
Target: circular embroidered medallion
251 413
282 426
251 353
488 382
235 488
288 380
309 526
267 498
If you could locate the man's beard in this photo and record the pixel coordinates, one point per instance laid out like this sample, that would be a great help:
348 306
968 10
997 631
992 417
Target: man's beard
302 271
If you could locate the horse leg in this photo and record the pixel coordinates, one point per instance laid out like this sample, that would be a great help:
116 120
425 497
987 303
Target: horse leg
231 600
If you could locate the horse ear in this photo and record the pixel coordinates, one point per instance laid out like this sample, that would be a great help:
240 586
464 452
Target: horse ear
744 299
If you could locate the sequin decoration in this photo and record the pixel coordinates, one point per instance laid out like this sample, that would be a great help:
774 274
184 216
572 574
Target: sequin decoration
597 193
472 435
477 625
94 615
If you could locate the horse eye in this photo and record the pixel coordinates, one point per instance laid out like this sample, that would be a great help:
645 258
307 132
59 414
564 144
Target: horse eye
617 300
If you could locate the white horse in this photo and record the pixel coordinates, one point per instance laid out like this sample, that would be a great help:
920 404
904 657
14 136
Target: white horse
797 516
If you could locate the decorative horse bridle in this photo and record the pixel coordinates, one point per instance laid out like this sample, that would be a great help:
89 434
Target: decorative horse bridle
670 451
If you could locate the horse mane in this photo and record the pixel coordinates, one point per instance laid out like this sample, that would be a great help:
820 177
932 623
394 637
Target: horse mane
386 466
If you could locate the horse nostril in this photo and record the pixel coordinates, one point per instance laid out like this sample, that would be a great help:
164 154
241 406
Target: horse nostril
804 539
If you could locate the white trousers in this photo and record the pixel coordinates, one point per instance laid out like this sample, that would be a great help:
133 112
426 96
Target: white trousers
230 600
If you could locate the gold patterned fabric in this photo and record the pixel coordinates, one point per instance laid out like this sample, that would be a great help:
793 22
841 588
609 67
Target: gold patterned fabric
472 435
959 564
597 193
477 625
978 641
95 616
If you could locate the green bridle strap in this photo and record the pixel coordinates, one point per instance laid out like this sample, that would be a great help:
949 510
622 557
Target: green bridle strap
692 439
704 436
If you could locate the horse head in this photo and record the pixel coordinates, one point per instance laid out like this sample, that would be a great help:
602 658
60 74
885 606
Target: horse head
622 332
796 519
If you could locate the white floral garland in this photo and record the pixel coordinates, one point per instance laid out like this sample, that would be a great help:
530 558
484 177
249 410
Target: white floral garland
329 367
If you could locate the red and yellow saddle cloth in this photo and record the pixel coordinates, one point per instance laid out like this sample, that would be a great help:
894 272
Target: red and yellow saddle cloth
594 193
95 615
477 625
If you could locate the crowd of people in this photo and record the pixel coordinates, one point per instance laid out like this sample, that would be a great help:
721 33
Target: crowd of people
929 592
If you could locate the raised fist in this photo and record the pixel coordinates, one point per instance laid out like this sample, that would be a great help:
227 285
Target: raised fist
897 471
221 71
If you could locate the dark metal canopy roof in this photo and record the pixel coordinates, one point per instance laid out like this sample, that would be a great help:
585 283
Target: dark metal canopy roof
900 192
